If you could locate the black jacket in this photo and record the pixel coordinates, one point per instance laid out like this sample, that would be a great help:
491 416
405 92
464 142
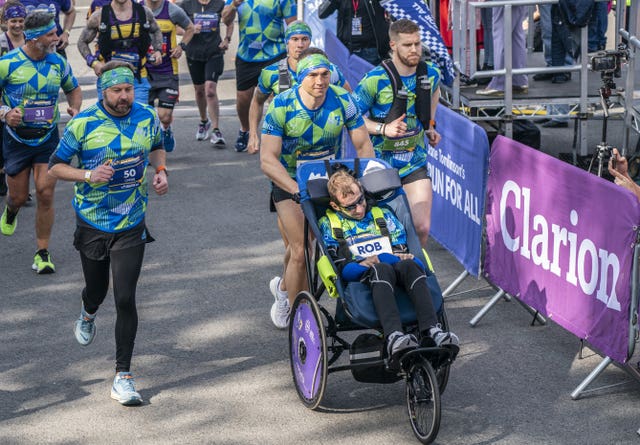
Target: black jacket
376 15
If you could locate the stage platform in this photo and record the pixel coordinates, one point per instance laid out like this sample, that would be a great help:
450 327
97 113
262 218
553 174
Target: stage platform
536 103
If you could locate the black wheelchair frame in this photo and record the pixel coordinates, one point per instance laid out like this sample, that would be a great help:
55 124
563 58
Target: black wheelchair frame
315 343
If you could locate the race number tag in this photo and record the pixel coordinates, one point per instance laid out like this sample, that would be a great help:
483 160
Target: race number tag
406 143
207 22
128 173
356 26
371 247
327 154
38 111
132 58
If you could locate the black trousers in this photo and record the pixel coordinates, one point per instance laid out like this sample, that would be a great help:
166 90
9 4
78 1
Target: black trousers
384 278
125 266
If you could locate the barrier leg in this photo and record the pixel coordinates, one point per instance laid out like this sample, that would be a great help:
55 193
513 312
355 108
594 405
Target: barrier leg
486 307
590 378
536 315
455 284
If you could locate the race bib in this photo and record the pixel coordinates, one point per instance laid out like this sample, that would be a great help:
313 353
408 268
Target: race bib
207 22
38 111
405 143
327 154
128 173
132 58
371 247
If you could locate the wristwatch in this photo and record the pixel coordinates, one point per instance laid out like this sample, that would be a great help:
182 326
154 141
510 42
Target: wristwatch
183 46
87 176
379 128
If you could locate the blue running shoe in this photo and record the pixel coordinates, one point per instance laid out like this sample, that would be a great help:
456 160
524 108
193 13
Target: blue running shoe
124 390
242 141
168 140
85 328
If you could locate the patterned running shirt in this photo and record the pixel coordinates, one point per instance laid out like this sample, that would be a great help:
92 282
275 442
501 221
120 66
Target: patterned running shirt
34 87
310 134
269 80
96 138
261 26
374 96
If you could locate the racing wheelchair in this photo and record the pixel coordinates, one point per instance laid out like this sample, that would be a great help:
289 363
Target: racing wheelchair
316 333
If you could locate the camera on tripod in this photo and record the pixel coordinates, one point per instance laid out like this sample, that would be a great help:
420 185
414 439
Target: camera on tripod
609 62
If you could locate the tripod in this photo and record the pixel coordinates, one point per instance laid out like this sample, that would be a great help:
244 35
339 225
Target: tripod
603 149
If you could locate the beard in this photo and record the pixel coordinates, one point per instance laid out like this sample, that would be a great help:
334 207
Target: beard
119 107
46 49
410 62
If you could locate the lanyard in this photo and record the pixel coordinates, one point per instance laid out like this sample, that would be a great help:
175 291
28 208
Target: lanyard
355 4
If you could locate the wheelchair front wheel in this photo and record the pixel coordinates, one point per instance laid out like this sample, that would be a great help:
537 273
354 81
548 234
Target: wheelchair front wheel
423 401
308 350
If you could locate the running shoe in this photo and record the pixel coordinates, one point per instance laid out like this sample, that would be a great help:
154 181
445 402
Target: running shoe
3 185
42 263
280 308
398 343
8 227
441 337
85 328
203 130
242 141
216 138
124 390
168 140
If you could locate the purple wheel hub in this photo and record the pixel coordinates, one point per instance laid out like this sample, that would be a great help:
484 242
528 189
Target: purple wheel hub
306 350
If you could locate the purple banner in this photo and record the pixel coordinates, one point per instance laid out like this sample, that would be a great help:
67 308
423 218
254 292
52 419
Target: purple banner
561 240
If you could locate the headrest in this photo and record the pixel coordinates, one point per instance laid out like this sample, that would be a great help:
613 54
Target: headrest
381 184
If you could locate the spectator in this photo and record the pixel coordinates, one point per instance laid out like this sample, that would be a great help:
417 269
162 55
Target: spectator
362 27
518 53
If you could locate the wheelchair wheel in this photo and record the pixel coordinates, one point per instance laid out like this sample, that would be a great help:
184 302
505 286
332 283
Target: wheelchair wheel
308 350
423 401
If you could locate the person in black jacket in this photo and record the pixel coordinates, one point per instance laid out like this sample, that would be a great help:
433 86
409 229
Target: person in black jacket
362 27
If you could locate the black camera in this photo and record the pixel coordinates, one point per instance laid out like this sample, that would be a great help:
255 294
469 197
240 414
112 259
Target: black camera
609 61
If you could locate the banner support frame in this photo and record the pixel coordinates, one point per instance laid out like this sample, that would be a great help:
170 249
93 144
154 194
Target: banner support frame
633 331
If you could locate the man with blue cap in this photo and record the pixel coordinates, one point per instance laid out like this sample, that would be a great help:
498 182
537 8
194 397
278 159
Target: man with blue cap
114 141
31 78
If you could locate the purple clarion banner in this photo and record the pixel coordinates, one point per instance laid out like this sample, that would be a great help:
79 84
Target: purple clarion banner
561 240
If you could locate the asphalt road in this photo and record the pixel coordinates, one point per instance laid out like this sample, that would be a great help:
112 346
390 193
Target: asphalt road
213 370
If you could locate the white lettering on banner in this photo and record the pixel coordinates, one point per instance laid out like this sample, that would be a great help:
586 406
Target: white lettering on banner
446 161
537 251
449 189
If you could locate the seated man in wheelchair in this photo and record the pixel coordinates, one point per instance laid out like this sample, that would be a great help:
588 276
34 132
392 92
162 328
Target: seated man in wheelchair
368 244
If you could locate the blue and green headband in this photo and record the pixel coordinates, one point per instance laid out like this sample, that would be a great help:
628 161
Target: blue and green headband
34 33
297 28
311 63
116 76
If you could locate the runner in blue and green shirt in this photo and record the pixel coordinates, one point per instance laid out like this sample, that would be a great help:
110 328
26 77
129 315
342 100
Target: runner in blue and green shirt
304 123
114 142
261 25
401 141
31 78
298 38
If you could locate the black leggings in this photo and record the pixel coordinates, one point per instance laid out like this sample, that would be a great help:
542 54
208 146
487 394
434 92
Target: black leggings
383 279
125 266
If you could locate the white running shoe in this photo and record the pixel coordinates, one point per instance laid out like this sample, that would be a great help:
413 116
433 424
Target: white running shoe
280 308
